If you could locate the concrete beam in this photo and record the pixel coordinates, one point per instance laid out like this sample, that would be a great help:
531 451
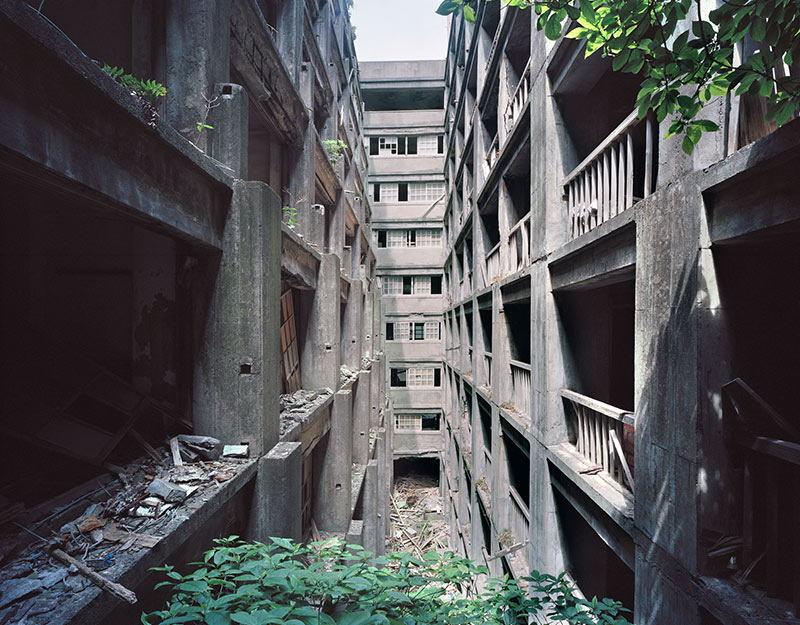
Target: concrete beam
332 505
277 508
236 389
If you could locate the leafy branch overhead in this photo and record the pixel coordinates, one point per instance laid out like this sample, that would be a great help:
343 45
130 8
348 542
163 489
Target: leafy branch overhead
683 53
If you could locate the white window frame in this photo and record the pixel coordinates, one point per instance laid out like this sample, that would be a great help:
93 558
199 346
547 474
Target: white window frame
429 237
420 377
428 145
423 191
392 285
387 146
420 285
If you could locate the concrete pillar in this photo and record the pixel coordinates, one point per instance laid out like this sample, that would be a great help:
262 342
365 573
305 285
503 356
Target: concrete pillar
278 499
198 57
321 358
229 134
333 508
235 383
369 507
355 533
377 375
361 412
383 492
351 328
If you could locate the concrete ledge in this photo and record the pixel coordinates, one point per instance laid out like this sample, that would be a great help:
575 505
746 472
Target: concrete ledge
298 259
609 496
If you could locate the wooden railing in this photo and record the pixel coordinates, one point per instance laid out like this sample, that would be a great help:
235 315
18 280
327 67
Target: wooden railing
603 185
493 265
521 387
520 517
486 361
600 434
492 153
519 99
519 245
770 480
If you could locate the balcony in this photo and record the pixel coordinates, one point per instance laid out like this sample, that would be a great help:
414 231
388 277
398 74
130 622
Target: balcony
600 431
520 98
521 387
617 174
519 238
493 271
492 154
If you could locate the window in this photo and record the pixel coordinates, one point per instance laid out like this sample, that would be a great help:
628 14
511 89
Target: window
388 192
426 422
387 146
427 144
411 285
417 377
429 238
392 285
413 331
425 191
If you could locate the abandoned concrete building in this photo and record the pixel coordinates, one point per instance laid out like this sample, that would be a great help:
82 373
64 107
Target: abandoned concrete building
620 334
229 308
196 263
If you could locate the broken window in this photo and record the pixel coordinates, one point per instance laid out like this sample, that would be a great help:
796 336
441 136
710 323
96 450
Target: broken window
417 377
413 331
290 360
426 422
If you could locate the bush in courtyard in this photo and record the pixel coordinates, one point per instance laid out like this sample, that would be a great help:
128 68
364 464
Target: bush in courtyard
330 583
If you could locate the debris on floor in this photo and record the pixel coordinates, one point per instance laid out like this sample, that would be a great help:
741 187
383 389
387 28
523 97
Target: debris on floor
92 540
298 406
418 524
346 374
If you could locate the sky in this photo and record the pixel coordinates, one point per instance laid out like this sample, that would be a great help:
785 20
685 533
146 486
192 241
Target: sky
399 30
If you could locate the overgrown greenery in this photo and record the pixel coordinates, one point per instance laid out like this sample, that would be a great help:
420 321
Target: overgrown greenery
149 89
683 53
335 148
290 216
330 583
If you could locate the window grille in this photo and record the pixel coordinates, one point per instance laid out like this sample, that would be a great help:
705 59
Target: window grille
393 285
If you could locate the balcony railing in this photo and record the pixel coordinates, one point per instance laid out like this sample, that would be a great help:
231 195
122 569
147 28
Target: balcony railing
600 432
486 365
520 517
521 387
492 153
519 245
519 99
603 185
493 265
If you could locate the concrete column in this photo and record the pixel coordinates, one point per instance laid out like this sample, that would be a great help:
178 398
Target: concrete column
355 533
321 357
351 330
383 492
368 342
361 413
235 383
278 499
377 375
198 57
230 130
369 507
332 508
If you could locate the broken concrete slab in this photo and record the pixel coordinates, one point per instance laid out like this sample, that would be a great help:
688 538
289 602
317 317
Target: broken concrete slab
236 451
169 492
16 589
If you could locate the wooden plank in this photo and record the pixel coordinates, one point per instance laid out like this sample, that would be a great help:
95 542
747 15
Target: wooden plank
629 122
621 456
598 406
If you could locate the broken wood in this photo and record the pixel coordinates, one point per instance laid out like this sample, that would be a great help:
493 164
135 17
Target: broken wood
621 457
148 448
508 550
174 447
118 590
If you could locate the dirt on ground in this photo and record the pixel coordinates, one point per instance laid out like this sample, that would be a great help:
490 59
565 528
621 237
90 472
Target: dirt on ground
417 517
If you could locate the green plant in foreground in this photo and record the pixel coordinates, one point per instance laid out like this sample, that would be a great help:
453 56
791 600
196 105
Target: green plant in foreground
149 90
290 216
330 583
201 126
334 148
683 54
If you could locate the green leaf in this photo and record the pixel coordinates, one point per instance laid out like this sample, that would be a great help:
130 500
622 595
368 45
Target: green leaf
758 29
687 145
587 10
552 29
448 6
706 124
469 14
218 618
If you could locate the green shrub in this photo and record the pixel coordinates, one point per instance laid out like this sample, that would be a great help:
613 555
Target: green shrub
147 89
330 583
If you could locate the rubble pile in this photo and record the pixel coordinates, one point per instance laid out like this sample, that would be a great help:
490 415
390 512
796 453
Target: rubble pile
298 406
418 525
41 569
346 374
